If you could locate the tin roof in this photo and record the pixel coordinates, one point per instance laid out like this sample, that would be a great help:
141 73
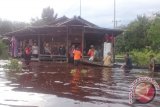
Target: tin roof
63 22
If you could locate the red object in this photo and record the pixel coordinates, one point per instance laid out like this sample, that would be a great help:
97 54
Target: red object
109 38
150 94
91 52
27 51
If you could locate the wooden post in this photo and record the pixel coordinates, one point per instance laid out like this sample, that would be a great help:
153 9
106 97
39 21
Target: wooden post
82 42
39 47
52 47
113 47
67 54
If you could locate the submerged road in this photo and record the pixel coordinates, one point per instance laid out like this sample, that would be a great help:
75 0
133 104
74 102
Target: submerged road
49 84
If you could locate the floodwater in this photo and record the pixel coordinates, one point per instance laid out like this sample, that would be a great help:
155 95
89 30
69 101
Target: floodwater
49 84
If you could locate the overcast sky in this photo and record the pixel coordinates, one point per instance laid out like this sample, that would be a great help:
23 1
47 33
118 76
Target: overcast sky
99 12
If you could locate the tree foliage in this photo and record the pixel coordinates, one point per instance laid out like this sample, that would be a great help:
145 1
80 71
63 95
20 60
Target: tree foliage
14 65
37 22
154 34
8 26
5 26
3 50
139 34
48 16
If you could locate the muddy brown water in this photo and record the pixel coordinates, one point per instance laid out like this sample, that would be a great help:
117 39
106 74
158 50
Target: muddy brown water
49 84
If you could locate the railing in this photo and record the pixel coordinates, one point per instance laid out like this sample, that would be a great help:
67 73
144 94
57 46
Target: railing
44 57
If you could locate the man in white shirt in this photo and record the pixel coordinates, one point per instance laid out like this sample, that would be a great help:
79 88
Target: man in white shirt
35 50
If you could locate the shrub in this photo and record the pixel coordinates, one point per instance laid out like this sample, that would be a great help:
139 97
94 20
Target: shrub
14 66
141 58
3 50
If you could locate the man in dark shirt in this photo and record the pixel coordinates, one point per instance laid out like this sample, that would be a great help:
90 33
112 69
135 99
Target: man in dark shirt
62 50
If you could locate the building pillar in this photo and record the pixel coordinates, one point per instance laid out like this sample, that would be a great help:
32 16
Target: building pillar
113 47
67 52
39 47
82 42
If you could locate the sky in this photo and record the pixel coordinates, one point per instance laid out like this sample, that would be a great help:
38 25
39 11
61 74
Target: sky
99 12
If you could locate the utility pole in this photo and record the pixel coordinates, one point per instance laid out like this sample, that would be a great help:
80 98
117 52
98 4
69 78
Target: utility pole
114 25
80 9
117 23
114 20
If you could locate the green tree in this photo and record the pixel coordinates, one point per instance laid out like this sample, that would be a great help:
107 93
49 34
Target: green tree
134 36
120 42
3 50
5 26
8 26
154 34
48 16
19 25
37 22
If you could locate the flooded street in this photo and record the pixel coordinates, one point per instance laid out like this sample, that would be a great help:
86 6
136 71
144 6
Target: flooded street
49 84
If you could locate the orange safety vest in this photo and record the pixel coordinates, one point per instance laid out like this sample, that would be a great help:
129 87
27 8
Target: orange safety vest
77 54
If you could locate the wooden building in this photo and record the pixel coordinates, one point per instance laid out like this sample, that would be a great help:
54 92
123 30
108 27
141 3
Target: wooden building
64 31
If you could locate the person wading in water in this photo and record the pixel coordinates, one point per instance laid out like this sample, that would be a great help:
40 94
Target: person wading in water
27 55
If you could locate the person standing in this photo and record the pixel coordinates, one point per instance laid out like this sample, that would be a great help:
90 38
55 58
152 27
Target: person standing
62 50
108 60
152 63
77 56
35 50
91 53
128 62
100 53
71 56
27 54
55 50
47 49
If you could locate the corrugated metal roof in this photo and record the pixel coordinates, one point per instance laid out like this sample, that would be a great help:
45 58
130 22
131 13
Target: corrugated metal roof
62 22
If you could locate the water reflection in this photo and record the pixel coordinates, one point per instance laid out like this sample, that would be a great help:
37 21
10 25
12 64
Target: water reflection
76 80
106 74
91 86
74 83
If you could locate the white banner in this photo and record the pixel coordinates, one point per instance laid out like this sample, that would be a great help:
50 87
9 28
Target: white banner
107 48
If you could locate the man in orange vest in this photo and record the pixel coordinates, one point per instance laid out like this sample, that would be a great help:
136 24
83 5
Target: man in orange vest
77 56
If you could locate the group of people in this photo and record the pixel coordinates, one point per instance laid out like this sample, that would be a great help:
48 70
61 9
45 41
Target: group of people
107 60
75 54
126 66
94 54
128 62
61 50
33 51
